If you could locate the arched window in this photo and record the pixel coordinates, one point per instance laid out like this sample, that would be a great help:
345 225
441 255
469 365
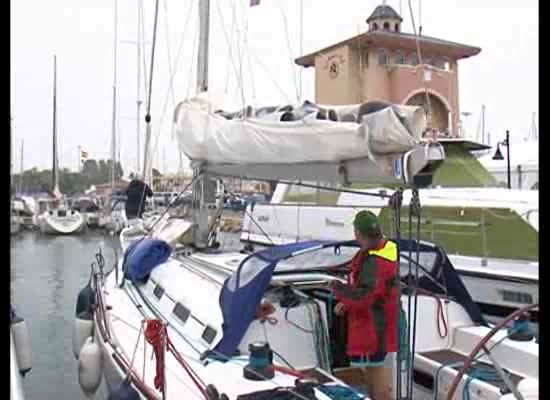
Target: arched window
374 26
414 59
397 27
386 26
399 59
382 57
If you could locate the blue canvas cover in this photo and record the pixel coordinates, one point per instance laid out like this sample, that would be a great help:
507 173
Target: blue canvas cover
143 256
243 291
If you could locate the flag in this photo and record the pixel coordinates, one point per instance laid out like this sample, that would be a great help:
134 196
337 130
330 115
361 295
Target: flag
254 3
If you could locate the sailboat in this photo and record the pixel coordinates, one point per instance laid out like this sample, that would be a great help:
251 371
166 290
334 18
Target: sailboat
237 325
55 216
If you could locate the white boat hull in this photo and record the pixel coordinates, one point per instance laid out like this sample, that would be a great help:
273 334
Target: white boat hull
50 222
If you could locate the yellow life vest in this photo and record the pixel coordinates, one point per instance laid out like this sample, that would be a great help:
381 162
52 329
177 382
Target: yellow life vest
388 252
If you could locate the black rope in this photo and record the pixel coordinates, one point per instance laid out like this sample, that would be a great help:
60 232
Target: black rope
395 203
414 208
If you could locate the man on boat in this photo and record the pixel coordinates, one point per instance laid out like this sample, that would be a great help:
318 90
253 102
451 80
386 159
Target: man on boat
370 301
137 193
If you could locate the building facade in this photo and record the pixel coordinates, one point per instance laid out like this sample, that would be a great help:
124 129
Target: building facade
383 64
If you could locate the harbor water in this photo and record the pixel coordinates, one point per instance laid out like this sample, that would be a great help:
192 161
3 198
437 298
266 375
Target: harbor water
47 273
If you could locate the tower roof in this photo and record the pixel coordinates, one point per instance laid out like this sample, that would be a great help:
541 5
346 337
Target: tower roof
384 11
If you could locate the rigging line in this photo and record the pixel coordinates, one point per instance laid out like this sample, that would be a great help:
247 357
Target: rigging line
167 30
269 75
172 72
422 68
142 40
240 53
153 46
230 48
190 75
293 71
301 47
233 27
246 51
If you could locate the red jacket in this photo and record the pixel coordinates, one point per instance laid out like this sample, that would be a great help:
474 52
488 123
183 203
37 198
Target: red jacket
371 300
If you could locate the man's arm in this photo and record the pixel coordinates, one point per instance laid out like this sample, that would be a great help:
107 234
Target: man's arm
372 286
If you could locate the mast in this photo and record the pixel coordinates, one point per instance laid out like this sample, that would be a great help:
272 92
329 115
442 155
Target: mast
483 123
199 206
21 168
138 101
55 180
113 138
204 35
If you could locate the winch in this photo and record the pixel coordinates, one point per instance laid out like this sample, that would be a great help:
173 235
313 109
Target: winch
260 366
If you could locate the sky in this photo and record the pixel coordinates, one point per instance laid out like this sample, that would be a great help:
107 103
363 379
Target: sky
251 61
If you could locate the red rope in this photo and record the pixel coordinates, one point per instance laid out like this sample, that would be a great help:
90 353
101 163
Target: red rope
154 333
264 311
442 326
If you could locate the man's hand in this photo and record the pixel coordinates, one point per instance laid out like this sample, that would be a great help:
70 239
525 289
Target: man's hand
335 284
339 309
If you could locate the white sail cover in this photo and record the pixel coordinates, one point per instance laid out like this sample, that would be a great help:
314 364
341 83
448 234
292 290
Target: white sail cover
295 134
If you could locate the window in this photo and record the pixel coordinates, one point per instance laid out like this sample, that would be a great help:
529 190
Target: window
439 63
399 59
414 59
382 57
397 27
375 26
386 26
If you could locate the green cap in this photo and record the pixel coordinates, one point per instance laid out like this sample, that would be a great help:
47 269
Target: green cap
366 222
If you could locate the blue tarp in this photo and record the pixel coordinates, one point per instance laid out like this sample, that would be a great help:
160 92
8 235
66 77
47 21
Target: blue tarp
243 291
143 256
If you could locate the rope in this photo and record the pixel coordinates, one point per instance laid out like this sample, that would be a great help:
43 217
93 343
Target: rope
418 52
486 338
155 333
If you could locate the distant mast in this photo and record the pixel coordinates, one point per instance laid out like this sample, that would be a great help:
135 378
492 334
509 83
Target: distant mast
113 138
55 166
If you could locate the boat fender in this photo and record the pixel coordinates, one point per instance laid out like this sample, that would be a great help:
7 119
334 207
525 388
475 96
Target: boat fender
85 299
22 343
82 329
124 391
89 367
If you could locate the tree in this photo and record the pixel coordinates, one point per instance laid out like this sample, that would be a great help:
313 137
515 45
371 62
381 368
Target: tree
90 169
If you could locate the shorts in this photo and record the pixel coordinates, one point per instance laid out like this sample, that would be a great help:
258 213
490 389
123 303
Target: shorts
373 360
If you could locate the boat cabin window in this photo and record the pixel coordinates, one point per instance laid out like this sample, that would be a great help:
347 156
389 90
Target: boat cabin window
158 291
209 334
181 312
